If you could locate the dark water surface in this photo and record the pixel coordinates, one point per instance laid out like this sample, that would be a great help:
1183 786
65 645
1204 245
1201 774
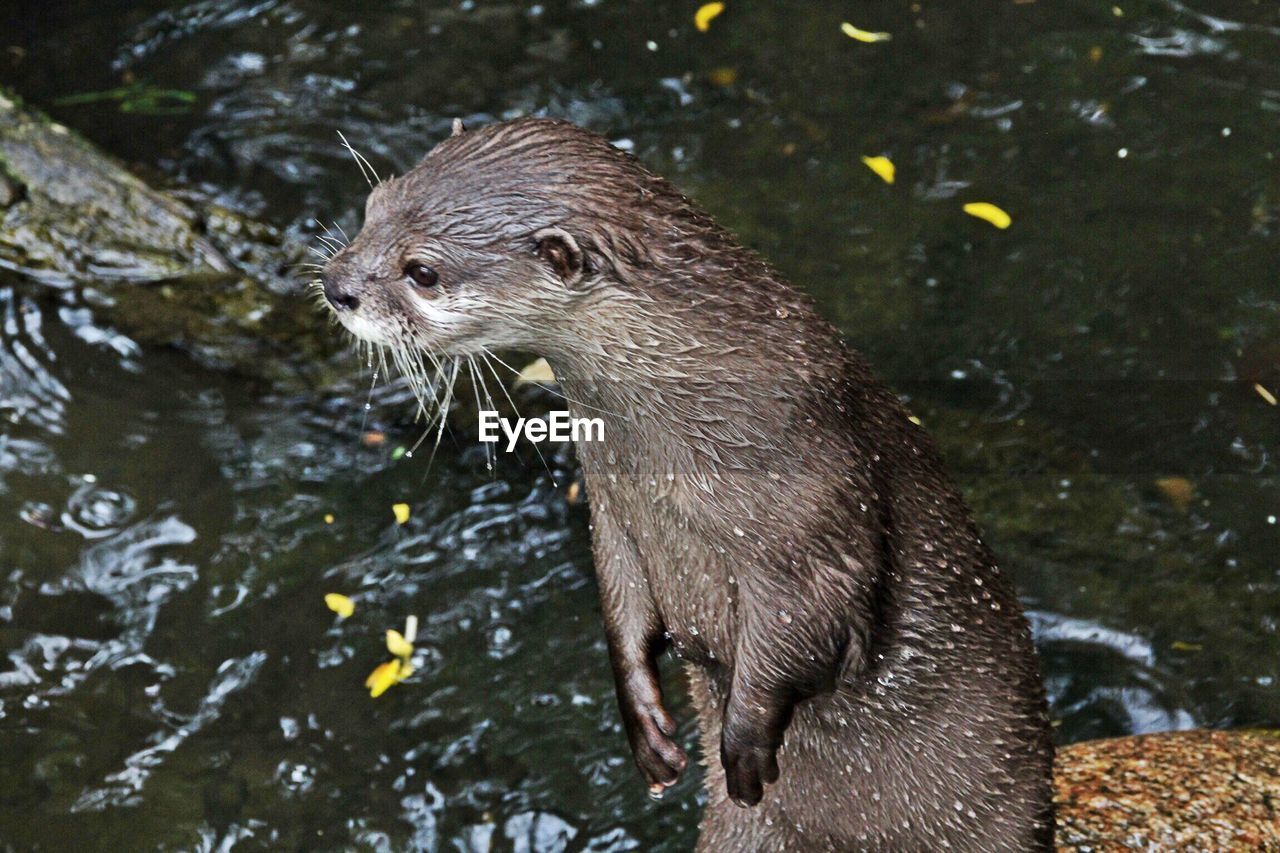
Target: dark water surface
171 677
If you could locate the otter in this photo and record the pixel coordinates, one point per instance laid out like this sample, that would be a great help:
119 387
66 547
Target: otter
862 672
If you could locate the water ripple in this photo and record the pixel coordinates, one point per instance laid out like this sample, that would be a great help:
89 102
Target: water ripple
124 787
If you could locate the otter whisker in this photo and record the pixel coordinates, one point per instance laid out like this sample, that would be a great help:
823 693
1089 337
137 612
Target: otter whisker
444 411
341 243
435 378
409 362
400 356
331 244
490 454
484 356
314 289
362 162
373 383
553 391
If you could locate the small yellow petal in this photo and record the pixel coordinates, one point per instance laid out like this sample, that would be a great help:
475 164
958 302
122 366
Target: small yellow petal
340 604
915 420
882 166
382 677
406 670
702 18
723 76
398 645
1265 393
989 213
1179 490
401 512
328 518
863 35
537 372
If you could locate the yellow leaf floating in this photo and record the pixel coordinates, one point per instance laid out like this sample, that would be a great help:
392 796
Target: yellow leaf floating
382 677
882 166
1178 490
989 213
723 76
398 645
863 35
340 604
1265 394
535 372
401 512
702 18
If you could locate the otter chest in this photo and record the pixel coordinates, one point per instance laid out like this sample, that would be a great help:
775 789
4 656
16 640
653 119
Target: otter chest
692 576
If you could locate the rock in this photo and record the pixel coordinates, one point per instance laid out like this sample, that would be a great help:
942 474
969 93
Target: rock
1192 790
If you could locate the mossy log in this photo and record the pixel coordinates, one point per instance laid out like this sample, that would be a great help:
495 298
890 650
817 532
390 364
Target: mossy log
162 270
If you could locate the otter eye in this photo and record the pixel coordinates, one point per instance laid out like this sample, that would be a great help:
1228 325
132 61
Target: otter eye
422 275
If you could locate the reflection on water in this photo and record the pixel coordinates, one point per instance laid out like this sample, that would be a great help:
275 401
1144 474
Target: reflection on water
170 675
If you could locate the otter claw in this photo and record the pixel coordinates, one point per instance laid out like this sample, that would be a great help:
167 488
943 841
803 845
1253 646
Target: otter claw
660 759
747 769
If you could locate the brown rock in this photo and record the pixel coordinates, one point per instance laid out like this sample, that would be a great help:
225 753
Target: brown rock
1194 790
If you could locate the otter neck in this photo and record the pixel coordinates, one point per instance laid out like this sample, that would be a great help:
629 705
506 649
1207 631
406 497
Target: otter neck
700 383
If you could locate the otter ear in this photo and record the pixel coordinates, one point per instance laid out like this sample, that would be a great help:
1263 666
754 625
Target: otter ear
559 250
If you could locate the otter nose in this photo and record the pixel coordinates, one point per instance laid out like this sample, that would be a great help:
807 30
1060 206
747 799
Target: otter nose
339 298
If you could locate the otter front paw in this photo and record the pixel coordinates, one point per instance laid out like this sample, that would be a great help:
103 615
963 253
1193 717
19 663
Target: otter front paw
749 765
650 730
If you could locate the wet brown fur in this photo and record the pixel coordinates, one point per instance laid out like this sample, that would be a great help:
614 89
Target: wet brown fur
863 675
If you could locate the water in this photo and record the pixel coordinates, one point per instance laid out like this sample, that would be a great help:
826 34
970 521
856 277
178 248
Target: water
171 676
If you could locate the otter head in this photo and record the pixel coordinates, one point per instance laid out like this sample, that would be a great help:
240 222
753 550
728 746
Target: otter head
498 238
